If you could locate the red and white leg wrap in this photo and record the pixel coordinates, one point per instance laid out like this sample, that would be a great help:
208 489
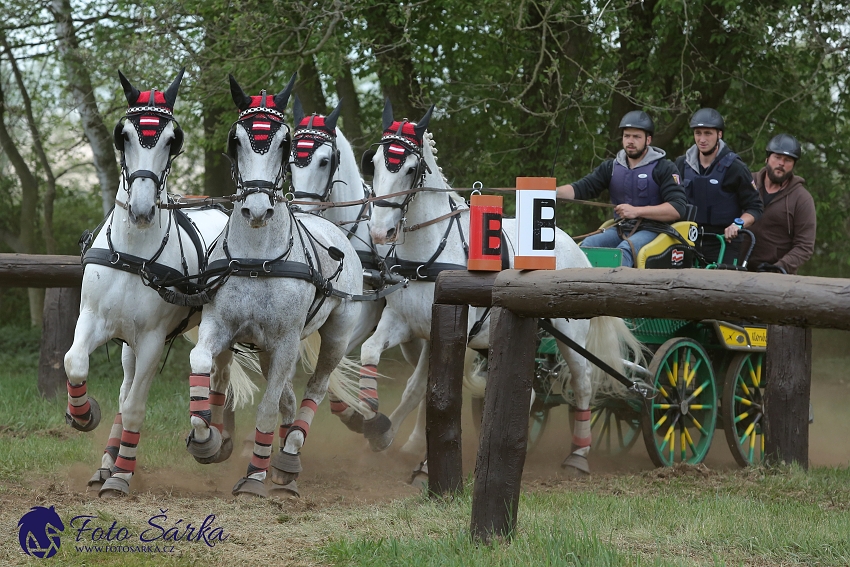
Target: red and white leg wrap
125 464
217 400
581 433
369 386
282 433
199 397
79 407
114 441
338 408
304 417
262 454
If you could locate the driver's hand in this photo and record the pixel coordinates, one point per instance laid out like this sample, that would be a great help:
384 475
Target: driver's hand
625 211
731 232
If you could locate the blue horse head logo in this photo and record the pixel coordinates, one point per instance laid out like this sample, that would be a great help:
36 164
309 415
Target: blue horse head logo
38 532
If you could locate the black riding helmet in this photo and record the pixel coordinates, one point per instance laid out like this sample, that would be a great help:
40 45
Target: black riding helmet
638 119
786 145
707 118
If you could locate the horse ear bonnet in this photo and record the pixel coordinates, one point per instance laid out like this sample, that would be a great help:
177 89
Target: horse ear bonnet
150 112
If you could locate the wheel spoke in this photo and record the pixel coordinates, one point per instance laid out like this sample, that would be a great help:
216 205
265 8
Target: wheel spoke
699 390
698 425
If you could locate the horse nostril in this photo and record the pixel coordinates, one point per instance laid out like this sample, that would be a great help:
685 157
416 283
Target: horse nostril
152 212
246 213
390 233
269 213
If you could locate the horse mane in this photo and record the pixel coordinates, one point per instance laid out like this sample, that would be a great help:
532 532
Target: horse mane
429 154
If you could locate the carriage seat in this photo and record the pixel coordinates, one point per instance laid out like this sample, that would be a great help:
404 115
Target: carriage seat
663 252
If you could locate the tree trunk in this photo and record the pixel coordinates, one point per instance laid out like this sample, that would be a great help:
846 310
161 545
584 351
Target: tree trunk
445 384
25 241
788 373
309 87
350 112
80 85
217 178
61 309
504 428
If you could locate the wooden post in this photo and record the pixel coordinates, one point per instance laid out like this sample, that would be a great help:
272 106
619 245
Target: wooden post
504 428
442 412
61 309
788 372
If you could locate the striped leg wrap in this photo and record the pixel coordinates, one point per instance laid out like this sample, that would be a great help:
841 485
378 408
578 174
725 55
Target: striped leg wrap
114 440
339 408
282 433
79 407
217 410
369 386
581 432
199 400
304 417
262 453
126 461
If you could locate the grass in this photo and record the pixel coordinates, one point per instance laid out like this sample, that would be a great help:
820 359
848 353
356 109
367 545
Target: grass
668 517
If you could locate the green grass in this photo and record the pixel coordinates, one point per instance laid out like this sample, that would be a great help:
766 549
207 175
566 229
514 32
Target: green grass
760 517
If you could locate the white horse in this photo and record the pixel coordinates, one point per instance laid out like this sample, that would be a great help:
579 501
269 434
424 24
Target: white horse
325 171
424 244
283 277
143 247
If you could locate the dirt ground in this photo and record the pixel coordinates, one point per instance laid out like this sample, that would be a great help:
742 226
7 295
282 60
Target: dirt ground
341 473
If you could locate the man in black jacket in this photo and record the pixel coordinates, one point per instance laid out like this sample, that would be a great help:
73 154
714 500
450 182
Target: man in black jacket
642 186
720 185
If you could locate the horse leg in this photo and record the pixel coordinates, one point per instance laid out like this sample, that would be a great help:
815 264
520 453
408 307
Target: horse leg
413 396
391 331
219 380
83 412
148 350
280 372
204 441
576 462
110 453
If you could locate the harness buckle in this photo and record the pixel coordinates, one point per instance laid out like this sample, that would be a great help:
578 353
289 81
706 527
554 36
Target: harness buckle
254 274
418 275
117 257
266 267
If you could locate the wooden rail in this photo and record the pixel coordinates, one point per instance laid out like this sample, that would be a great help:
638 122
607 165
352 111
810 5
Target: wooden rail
789 304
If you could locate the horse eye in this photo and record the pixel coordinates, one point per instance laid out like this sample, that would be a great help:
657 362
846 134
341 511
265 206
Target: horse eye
324 162
411 171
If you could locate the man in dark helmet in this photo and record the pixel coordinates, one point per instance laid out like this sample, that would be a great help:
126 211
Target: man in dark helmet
785 234
642 184
720 185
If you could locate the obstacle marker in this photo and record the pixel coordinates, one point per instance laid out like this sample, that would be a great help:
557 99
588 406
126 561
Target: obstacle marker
485 233
535 212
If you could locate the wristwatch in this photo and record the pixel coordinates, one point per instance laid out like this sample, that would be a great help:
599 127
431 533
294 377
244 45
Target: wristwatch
739 222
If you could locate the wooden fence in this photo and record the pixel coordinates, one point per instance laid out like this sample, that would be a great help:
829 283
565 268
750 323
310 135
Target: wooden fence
790 305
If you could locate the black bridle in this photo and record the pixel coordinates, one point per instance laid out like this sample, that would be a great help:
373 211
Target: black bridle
246 188
323 138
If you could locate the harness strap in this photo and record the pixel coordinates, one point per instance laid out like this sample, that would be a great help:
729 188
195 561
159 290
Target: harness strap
135 265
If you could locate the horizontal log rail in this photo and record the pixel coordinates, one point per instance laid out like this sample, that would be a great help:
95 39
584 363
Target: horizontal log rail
32 270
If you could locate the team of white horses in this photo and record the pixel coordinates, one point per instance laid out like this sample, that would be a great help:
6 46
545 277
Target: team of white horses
274 274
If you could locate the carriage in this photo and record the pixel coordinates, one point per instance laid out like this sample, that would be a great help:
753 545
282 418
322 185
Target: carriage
704 375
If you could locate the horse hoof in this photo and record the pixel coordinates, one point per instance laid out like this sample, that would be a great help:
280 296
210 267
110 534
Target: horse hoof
287 491
224 451
377 431
576 466
100 476
206 450
355 423
419 478
114 487
285 467
94 421
247 486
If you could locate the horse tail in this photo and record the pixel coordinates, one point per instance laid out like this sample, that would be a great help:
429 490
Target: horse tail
344 381
241 389
474 374
610 339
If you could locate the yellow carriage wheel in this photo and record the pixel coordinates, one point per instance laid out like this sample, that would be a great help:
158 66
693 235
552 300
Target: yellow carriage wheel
743 408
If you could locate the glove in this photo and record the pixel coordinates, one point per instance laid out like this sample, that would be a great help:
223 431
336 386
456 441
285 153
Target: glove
765 267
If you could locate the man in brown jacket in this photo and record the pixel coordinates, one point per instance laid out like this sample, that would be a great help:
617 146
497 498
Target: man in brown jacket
785 234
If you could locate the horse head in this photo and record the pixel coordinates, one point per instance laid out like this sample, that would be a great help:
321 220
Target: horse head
315 154
404 165
148 138
258 148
